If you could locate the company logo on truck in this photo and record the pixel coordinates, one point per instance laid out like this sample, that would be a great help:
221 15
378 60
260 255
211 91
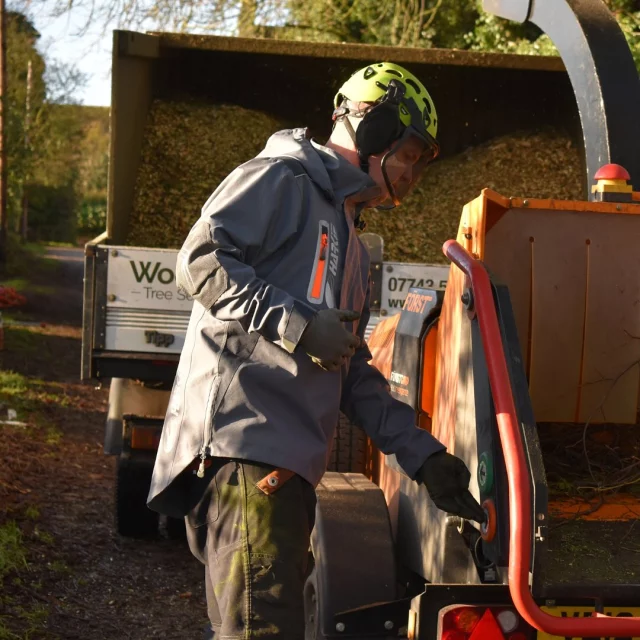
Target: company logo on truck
159 339
155 277
149 272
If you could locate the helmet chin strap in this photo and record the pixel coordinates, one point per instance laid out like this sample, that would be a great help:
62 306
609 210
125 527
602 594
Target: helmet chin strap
391 191
342 114
364 159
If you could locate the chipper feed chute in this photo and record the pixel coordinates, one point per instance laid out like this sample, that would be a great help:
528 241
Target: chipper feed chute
527 368
545 350
537 335
570 325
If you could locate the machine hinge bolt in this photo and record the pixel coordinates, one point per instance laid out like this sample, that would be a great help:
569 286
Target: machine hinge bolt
388 625
377 267
467 299
525 203
114 253
340 627
389 269
112 297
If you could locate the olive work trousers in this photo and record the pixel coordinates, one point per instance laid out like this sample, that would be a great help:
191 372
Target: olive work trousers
255 548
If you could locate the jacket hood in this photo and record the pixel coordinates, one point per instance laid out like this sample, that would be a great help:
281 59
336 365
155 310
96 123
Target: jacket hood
332 173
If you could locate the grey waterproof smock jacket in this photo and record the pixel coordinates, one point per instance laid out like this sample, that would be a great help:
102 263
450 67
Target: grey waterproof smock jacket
269 250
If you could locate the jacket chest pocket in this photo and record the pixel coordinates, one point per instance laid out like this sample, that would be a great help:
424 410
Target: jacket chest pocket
317 282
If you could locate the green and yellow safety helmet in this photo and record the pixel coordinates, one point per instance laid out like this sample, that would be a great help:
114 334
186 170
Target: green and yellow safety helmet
371 83
400 106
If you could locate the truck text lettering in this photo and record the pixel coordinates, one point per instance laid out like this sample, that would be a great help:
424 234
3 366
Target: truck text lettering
159 339
164 275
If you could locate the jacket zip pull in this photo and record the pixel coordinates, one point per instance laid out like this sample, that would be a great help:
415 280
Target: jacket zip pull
203 457
318 271
323 246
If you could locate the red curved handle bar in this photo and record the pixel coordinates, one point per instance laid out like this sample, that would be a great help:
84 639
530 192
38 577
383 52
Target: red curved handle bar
520 506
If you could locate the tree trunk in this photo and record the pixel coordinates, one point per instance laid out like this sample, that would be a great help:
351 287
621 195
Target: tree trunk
27 125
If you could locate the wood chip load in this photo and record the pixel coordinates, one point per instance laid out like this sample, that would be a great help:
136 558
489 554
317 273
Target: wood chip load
535 165
189 148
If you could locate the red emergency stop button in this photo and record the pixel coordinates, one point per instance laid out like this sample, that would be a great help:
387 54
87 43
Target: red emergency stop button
611 184
489 527
612 172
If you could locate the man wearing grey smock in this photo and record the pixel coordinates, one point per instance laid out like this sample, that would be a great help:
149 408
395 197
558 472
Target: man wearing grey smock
275 350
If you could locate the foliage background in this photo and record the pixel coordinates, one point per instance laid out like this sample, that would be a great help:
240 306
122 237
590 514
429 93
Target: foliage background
58 157
57 150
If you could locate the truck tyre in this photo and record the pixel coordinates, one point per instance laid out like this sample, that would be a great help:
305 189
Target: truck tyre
349 452
353 550
133 518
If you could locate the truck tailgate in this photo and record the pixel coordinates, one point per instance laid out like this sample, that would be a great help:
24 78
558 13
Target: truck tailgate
136 318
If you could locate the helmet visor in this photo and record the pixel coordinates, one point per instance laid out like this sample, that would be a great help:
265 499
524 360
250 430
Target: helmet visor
405 162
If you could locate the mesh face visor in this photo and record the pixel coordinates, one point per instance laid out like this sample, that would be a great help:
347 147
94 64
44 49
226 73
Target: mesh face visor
404 163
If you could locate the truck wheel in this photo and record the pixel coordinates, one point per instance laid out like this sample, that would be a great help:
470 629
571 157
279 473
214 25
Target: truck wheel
349 453
133 518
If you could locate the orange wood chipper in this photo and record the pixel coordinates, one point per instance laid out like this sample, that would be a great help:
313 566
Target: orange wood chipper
527 360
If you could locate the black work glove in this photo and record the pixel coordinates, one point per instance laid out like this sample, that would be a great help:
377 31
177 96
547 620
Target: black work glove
327 341
447 480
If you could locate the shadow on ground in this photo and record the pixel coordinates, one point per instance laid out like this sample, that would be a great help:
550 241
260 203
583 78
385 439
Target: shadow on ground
64 572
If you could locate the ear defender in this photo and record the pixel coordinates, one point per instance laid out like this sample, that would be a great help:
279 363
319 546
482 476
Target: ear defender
382 126
379 129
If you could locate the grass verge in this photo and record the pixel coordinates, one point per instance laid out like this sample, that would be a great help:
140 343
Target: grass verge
12 551
27 269
29 398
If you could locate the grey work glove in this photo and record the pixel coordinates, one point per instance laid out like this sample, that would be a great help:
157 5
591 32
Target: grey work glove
447 480
327 341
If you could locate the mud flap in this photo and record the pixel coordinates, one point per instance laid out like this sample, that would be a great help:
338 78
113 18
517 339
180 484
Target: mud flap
353 552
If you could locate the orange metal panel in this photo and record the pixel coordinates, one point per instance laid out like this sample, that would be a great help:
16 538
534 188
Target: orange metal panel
558 301
611 373
572 278
381 342
509 255
427 393
616 507
448 352
615 208
447 363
